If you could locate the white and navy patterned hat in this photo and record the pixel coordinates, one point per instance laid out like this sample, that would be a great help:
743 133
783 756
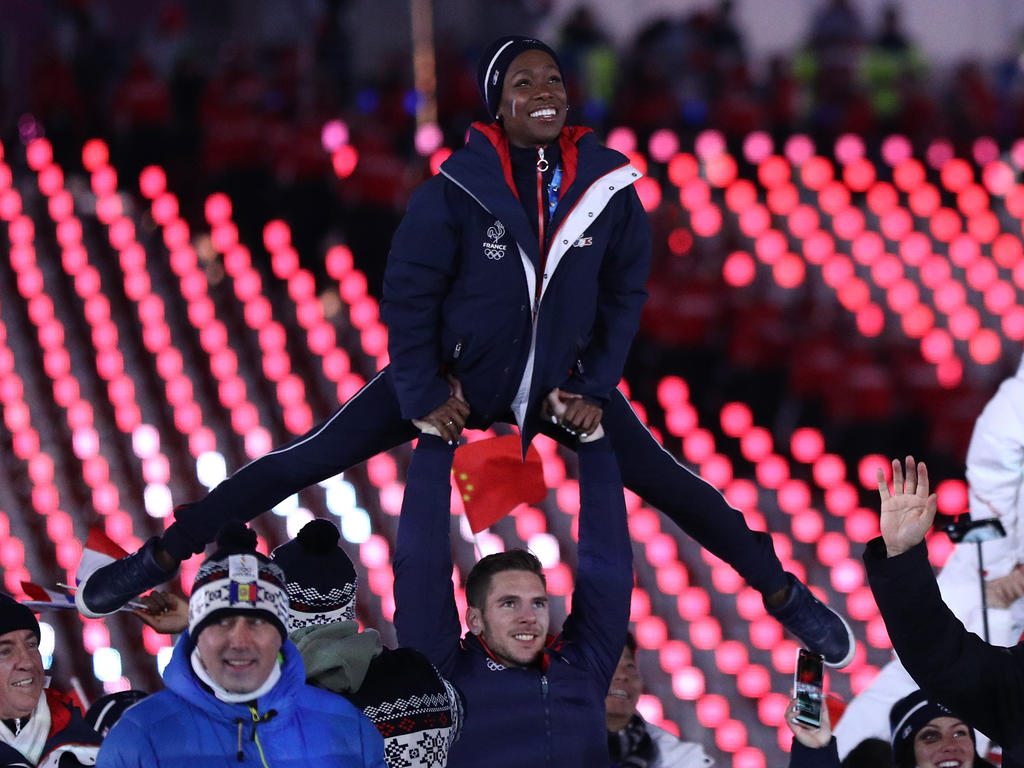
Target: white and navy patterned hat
237 579
321 579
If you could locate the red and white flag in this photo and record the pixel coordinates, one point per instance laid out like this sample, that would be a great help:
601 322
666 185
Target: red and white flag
40 597
99 550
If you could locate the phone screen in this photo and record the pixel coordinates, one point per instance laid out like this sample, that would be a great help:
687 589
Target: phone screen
808 681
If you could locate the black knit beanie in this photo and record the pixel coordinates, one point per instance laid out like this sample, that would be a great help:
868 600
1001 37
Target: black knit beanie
494 63
15 616
107 710
908 716
321 579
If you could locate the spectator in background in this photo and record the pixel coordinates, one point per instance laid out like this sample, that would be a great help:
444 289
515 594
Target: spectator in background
236 687
971 106
888 61
827 67
837 30
632 741
995 479
591 65
38 726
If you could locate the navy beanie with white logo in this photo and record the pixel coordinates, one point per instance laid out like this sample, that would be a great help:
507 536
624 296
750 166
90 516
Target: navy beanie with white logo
908 716
495 61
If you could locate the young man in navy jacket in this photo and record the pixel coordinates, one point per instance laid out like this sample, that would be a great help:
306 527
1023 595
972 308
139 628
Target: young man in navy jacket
532 697
519 270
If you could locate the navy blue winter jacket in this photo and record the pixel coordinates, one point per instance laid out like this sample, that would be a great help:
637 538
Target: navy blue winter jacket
461 290
550 715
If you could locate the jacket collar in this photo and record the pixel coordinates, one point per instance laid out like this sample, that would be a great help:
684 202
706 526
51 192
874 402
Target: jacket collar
179 678
567 140
476 644
483 168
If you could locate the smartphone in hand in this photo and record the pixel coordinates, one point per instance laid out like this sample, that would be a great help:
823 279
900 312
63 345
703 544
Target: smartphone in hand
808 687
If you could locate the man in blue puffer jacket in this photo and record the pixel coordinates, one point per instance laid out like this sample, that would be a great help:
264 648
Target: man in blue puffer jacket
519 270
236 686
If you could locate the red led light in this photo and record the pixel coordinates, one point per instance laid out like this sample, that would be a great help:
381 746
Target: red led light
895 149
789 271
770 246
908 175
937 345
706 221
803 220
806 444
39 154
818 247
773 171
956 174
859 174
782 199
682 169
95 153
998 177
344 160
945 225
720 170
985 346
816 173
152 182
755 220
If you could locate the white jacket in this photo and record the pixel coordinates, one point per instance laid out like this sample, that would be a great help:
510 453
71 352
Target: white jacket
675 753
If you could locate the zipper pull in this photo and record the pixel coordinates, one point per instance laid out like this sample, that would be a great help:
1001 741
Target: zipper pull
542 163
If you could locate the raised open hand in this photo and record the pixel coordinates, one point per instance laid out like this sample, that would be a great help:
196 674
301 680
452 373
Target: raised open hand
907 514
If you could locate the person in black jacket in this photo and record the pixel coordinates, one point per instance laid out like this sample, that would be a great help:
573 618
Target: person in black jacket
981 682
518 273
924 734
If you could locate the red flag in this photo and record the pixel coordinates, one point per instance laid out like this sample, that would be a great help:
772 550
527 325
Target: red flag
493 479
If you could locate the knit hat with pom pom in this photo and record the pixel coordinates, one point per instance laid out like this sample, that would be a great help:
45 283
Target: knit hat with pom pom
321 579
237 579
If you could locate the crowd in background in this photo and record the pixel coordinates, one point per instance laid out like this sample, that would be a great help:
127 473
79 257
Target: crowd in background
248 115
221 110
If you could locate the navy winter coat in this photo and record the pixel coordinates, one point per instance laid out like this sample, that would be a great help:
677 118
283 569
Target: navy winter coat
461 292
